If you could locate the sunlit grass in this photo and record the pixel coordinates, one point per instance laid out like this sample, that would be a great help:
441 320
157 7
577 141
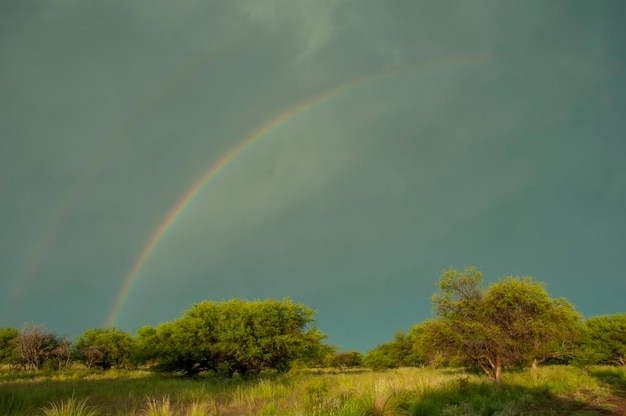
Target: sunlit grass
70 407
159 407
406 391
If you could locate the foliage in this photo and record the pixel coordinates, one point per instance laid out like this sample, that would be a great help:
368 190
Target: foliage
347 359
512 323
319 355
603 340
400 352
231 337
8 353
62 352
425 339
34 345
379 358
104 348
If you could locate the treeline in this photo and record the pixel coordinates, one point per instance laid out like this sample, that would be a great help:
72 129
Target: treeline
512 323
228 337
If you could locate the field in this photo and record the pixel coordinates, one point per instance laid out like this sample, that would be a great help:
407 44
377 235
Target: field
551 390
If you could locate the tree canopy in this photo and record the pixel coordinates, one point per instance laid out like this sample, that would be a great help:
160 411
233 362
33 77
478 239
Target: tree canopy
8 354
34 345
233 336
513 322
104 347
603 340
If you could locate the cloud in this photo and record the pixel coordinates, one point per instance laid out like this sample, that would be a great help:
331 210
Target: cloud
502 141
304 26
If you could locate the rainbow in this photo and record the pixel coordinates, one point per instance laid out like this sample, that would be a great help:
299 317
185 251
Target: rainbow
63 208
263 131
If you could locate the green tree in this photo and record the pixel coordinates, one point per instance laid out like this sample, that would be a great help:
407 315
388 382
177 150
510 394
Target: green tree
178 346
418 347
317 355
423 346
566 326
8 354
104 347
395 353
604 340
233 336
513 323
379 358
347 359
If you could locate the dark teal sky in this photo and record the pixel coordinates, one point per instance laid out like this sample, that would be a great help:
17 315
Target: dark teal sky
501 143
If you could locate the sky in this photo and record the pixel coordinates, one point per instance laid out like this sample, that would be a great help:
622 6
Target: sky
341 153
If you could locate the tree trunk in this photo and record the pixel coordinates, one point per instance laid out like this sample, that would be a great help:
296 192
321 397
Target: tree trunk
486 368
498 370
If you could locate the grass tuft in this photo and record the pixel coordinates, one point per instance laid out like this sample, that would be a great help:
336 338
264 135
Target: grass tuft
70 407
156 407
198 408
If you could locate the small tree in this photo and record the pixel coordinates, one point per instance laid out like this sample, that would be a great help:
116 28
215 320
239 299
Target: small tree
34 345
347 359
604 340
106 348
424 350
8 353
63 353
379 359
512 323
92 355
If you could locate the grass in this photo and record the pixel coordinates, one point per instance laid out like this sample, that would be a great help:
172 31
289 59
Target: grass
406 391
70 407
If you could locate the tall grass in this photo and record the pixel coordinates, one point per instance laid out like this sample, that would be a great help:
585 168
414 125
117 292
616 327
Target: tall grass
407 391
70 407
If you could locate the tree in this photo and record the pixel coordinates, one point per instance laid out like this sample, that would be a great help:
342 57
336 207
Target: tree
347 359
423 346
34 345
317 355
566 326
233 336
8 353
398 352
604 340
379 358
92 355
187 345
514 322
62 352
106 348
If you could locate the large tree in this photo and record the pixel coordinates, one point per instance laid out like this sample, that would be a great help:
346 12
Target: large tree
232 336
513 322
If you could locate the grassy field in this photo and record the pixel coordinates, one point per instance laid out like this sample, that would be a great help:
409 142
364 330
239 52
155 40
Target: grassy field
551 390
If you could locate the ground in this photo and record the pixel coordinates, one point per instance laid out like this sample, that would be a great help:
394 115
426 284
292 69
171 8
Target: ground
585 402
